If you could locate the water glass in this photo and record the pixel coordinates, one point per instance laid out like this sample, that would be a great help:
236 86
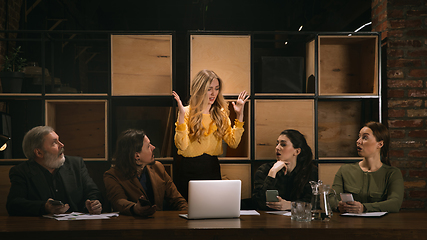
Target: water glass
301 211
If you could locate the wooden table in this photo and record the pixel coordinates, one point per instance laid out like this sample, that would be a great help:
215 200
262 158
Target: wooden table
167 225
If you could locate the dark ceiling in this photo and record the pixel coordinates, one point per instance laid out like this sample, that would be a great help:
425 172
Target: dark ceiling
183 15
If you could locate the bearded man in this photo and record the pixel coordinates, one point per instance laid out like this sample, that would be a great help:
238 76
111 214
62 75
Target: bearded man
50 182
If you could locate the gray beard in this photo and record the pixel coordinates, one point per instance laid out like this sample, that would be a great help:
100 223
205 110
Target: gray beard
53 162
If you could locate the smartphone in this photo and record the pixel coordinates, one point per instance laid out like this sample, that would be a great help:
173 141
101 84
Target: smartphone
144 202
271 195
346 197
56 202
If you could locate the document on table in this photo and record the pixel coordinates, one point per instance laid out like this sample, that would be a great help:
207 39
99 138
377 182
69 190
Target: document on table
284 213
81 216
369 214
249 212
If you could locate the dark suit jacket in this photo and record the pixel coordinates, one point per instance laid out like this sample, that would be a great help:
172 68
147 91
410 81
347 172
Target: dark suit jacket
123 193
29 189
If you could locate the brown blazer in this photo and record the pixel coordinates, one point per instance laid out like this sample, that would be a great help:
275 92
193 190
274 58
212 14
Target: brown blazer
124 193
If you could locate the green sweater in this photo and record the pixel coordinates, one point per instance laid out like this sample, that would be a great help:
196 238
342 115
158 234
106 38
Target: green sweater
379 191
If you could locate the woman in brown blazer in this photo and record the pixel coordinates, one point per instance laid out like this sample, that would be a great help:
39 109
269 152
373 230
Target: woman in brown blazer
137 184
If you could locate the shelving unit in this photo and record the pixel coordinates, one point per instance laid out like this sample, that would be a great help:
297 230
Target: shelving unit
326 85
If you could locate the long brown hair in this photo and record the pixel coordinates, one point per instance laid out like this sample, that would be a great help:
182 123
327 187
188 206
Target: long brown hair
381 133
128 143
219 110
305 164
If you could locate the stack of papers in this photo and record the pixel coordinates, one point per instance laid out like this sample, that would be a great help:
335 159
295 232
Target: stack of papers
80 216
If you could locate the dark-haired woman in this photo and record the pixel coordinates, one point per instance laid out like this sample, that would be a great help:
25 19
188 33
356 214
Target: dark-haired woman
137 184
290 174
376 186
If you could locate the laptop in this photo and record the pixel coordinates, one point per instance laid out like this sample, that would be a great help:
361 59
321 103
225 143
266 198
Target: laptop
213 199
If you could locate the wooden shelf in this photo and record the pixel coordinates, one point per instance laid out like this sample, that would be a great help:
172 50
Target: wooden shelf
81 125
338 128
347 64
155 121
242 152
229 56
238 172
141 65
274 116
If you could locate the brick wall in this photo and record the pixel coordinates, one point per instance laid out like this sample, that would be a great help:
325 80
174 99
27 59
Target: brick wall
403 24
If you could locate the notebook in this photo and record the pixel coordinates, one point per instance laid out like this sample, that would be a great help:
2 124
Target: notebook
213 199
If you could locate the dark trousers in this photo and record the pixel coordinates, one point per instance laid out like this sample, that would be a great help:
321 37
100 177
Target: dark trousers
204 167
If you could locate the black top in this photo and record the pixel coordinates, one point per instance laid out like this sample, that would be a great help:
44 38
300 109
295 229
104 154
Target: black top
283 183
30 188
56 185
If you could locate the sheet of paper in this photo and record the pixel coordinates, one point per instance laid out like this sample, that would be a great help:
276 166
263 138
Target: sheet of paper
80 216
249 212
284 213
369 214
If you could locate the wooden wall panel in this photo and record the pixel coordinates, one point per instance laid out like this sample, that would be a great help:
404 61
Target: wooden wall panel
81 126
274 116
227 56
141 65
238 172
338 127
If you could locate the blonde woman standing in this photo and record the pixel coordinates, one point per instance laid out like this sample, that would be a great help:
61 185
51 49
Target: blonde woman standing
201 127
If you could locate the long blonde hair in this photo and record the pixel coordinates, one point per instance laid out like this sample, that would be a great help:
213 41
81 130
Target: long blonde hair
219 109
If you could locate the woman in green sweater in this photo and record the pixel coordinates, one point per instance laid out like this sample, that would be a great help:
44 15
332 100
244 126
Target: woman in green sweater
376 186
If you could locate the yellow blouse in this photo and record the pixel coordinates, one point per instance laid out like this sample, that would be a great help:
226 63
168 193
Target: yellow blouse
208 144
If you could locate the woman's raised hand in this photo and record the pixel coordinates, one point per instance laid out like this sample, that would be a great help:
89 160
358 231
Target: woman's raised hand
180 107
239 105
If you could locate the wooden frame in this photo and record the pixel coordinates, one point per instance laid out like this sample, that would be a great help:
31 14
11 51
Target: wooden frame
81 125
229 56
141 65
274 116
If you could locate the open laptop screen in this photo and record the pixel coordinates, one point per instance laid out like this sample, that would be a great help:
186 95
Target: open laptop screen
214 199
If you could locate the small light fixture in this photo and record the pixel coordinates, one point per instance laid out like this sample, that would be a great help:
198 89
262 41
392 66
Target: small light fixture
3 142
300 28
286 43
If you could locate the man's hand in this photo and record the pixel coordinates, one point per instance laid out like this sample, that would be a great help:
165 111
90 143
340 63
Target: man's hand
55 209
93 206
144 211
